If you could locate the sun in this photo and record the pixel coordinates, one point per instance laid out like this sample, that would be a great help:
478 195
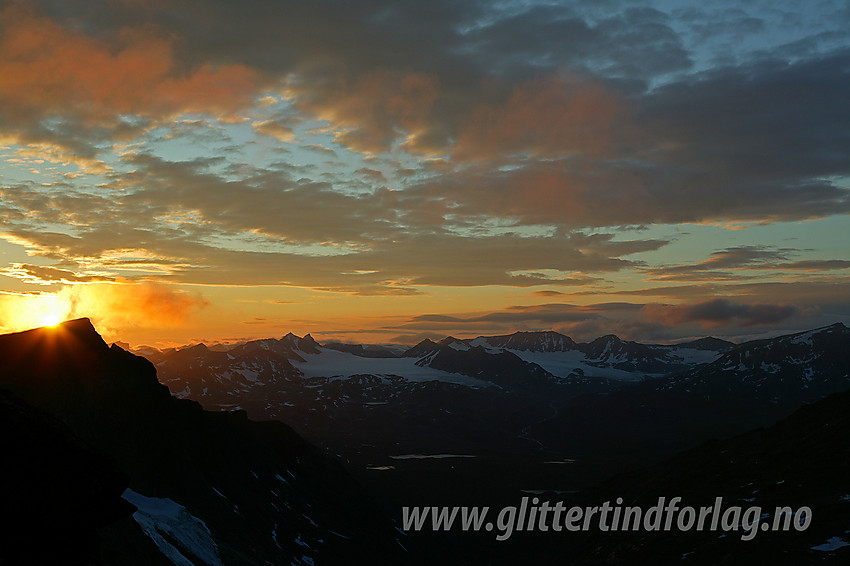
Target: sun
24 311
50 319
50 310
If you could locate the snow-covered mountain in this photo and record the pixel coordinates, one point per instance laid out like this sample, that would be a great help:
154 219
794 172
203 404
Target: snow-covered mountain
750 385
521 359
536 384
804 366
607 357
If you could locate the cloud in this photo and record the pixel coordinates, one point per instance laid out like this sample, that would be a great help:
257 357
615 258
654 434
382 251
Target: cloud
369 113
815 265
544 117
114 307
715 312
737 258
508 144
744 260
275 129
264 228
49 69
548 293
46 275
127 304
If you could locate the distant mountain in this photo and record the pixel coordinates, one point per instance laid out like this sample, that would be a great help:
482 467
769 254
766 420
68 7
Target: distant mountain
365 350
502 368
707 343
515 414
425 348
796 368
750 385
212 487
607 357
547 341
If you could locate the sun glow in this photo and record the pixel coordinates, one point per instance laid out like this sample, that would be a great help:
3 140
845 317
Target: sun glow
22 312
50 319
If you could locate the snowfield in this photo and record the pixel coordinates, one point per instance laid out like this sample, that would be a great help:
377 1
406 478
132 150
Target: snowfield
333 363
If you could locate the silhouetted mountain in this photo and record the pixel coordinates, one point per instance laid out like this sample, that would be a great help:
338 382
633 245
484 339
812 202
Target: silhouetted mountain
424 348
707 343
235 491
306 344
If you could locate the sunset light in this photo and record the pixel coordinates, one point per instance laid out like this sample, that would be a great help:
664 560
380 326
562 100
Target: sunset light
21 312
50 319
305 282
582 167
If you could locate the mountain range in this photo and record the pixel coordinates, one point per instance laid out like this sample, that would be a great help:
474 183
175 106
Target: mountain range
184 458
188 486
604 404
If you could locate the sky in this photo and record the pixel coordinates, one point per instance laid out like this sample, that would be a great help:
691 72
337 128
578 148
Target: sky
382 171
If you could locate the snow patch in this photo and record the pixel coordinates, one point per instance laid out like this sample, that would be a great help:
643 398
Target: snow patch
165 521
333 363
832 544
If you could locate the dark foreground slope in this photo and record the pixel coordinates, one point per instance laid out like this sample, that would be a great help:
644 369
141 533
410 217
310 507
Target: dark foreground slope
55 490
802 461
264 494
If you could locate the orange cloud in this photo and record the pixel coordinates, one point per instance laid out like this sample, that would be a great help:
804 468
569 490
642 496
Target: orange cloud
115 308
49 69
368 113
553 116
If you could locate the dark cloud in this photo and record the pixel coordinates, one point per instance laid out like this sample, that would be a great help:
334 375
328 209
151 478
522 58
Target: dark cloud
744 260
715 312
815 265
548 293
731 258
633 321
173 218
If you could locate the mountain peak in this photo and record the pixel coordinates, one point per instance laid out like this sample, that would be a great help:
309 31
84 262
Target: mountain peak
607 339
82 328
71 335
707 343
534 341
425 347
307 344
